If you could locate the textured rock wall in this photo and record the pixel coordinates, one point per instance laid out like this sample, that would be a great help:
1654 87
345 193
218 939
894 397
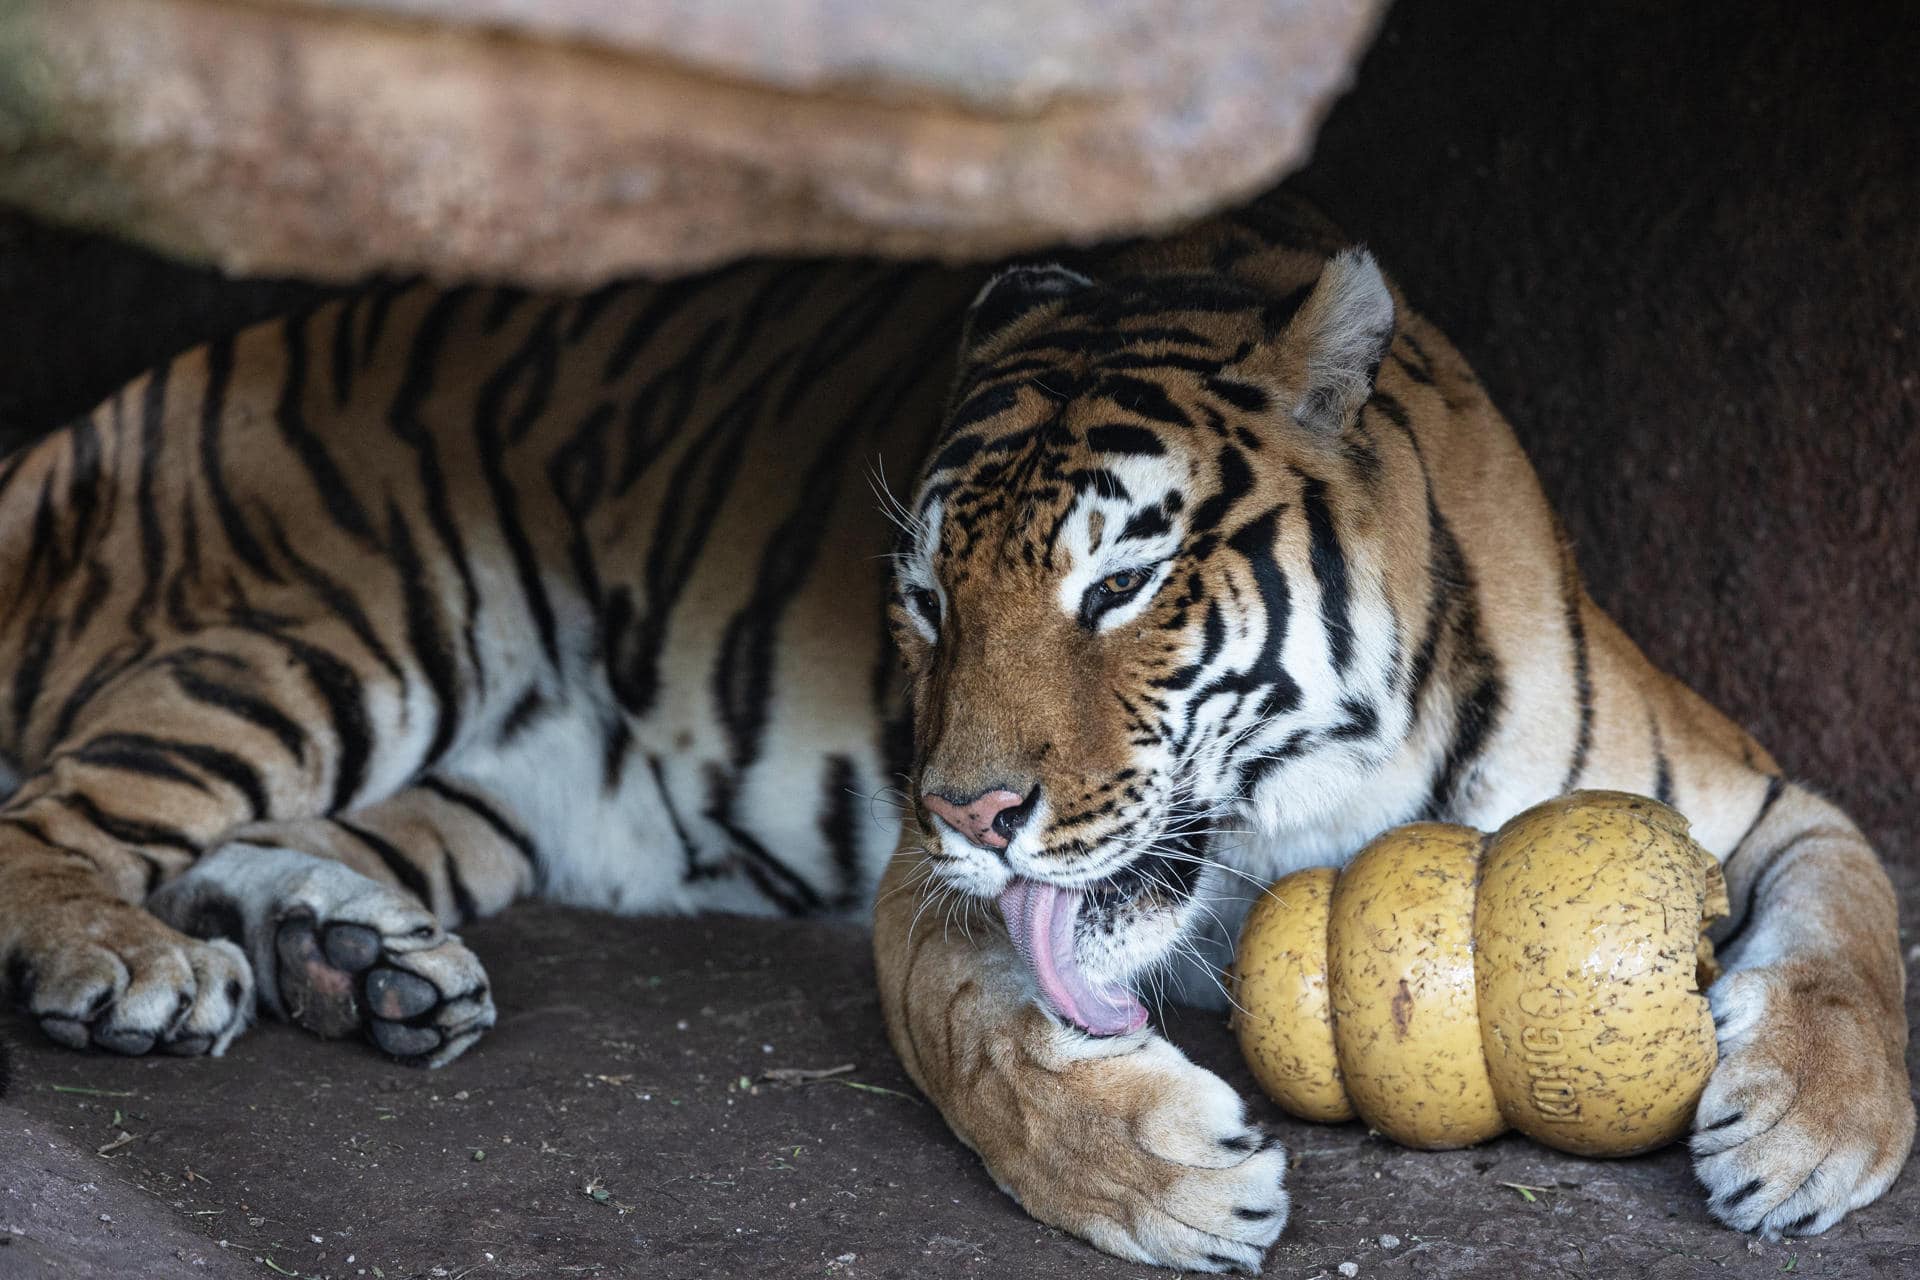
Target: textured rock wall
566 141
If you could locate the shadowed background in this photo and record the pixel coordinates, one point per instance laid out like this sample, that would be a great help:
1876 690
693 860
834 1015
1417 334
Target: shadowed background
1680 244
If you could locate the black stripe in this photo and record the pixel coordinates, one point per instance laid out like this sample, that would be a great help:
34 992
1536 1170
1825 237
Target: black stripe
1236 481
529 707
1125 438
182 611
1475 713
1421 366
153 547
1243 396
425 636
702 479
1266 677
213 424
402 868
83 485
1213 637
144 753
846 333
1141 396
578 472
95 585
487 814
103 753
769 875
340 688
661 306
1570 597
838 815
28 677
666 403
1148 522
383 299
507 299
1453 609
129 831
44 548
978 407
463 900
692 869
404 419
108 667
341 603
1757 885
614 752
243 705
770 305
1329 570
11 468
1775 786
743 676
588 308
1662 767
344 315
335 492
493 432
1362 720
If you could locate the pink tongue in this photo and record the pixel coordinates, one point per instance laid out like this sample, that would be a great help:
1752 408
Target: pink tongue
1040 920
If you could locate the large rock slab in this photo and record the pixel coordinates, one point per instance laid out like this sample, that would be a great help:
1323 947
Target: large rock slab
566 141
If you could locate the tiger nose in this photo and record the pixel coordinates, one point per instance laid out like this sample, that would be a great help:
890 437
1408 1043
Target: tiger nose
990 819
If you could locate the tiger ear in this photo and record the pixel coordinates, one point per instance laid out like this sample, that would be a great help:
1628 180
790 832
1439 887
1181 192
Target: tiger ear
1339 336
1013 295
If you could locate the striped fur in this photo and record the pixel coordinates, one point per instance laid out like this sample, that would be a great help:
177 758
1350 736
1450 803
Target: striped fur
329 636
1357 611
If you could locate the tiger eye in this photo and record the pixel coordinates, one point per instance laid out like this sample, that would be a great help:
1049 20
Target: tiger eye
1121 583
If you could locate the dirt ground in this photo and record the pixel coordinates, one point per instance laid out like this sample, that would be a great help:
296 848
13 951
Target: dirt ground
615 1124
1682 246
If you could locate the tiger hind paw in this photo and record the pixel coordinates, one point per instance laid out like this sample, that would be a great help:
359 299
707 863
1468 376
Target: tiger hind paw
106 975
338 953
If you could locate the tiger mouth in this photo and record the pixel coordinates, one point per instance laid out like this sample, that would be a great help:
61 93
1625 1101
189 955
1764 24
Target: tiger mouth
1043 920
1171 873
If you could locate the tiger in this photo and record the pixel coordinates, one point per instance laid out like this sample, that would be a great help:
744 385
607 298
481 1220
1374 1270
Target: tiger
1214 561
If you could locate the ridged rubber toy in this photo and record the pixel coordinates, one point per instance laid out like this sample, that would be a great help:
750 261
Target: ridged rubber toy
1449 985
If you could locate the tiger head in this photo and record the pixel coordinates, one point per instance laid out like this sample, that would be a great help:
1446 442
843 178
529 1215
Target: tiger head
1141 601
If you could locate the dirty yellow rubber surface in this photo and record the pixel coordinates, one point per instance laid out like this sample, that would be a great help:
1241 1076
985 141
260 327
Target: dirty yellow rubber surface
1447 986
1283 1022
1400 963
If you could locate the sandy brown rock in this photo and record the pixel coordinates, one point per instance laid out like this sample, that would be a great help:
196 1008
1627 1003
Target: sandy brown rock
568 141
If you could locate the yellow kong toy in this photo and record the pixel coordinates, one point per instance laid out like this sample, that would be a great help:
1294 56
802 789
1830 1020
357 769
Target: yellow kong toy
1449 985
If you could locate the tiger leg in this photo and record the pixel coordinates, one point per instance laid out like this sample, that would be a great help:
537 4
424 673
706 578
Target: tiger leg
1121 1140
345 919
1808 1114
129 778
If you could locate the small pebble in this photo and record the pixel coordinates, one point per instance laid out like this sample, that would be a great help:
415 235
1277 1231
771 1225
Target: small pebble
1349 1269
1389 1242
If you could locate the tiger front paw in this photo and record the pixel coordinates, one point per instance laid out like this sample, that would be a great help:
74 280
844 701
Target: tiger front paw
1808 1115
1131 1146
99 973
